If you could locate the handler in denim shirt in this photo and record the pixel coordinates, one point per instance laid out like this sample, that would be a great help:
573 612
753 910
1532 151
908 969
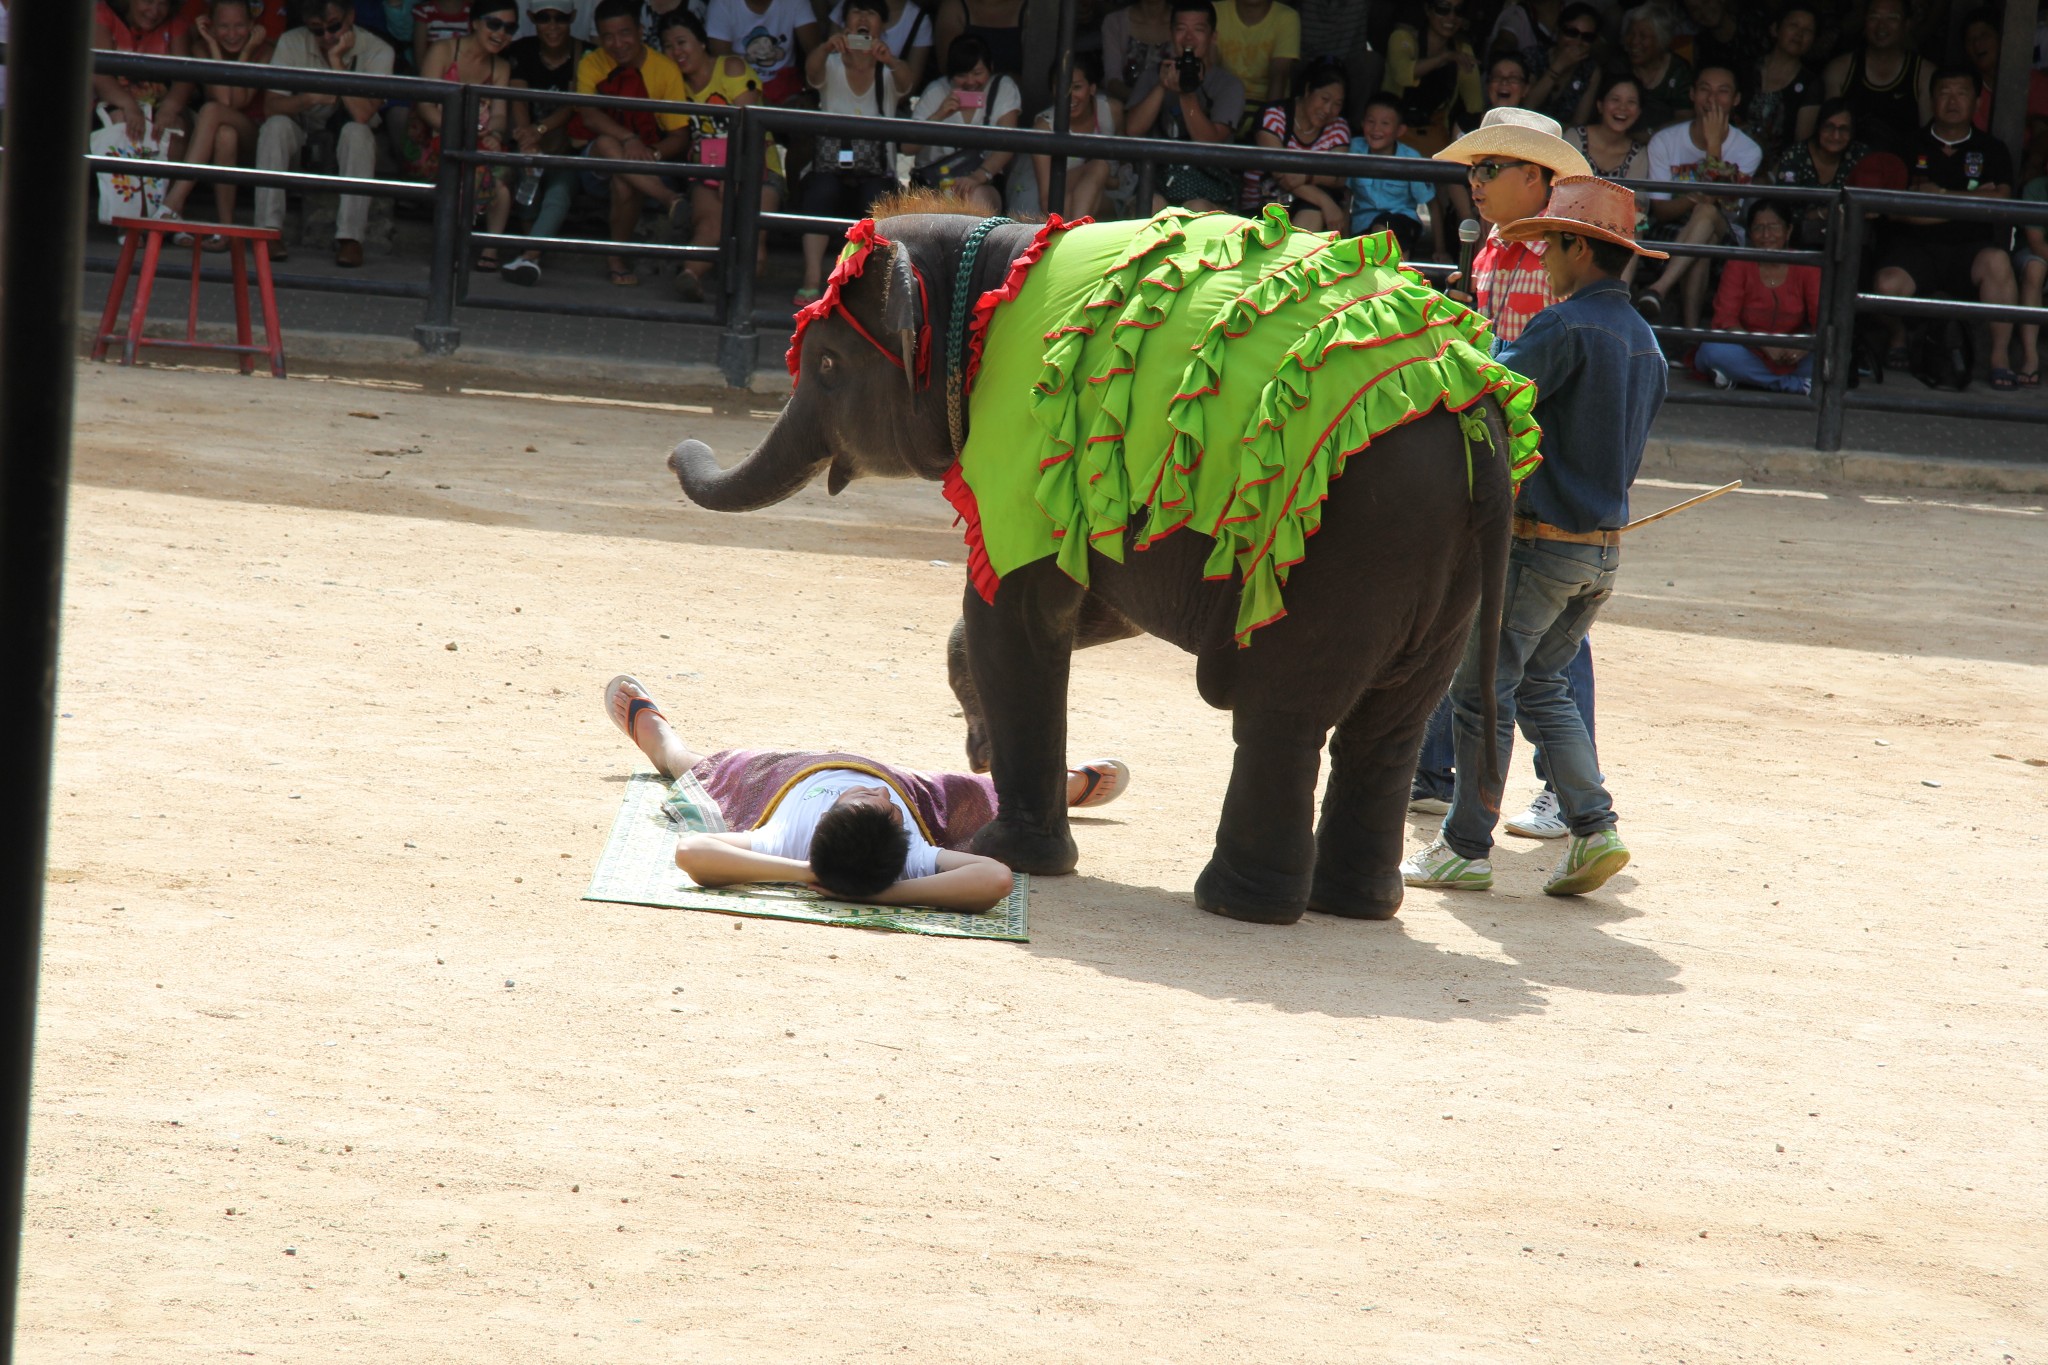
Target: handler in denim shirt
1600 381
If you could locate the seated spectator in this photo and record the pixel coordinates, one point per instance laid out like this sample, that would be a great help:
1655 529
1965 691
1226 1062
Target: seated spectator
1955 259
1609 140
655 14
268 18
1758 296
1784 92
1825 160
1431 70
582 23
478 58
328 41
436 21
854 73
1712 34
224 133
777 38
1166 106
1980 45
2030 267
1886 85
1260 41
971 94
1386 204
714 80
1134 38
999 24
545 61
1089 181
1565 85
1664 78
909 35
622 64
1506 83
1528 29
1313 121
1707 149
152 110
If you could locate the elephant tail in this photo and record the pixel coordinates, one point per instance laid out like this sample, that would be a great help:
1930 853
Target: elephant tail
1493 512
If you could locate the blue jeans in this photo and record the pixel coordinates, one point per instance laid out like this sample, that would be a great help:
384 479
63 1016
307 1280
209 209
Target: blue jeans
1434 773
1749 369
556 190
1554 590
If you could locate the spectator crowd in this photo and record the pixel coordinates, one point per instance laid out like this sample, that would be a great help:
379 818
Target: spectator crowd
1763 93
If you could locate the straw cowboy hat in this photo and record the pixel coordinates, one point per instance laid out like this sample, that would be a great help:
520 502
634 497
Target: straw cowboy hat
1519 135
1586 206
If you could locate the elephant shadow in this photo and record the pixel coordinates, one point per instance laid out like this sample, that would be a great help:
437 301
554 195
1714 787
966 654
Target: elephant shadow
1415 966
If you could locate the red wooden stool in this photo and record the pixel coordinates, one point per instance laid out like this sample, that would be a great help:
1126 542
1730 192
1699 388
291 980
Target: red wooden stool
136 229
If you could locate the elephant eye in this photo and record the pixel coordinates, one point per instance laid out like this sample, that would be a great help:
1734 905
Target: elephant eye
828 366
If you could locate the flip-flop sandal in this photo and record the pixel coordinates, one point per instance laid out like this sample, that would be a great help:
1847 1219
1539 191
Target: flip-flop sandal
214 242
623 279
637 707
1103 780
2028 379
486 262
2004 380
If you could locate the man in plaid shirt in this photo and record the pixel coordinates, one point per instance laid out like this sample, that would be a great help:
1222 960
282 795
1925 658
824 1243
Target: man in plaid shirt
1509 160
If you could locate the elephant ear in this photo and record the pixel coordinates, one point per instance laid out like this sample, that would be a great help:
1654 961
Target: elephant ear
903 311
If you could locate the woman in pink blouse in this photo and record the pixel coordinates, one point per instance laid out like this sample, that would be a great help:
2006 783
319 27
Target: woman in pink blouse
1312 121
1763 297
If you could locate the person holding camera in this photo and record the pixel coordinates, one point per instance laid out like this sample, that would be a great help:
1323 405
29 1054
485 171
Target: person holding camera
974 94
854 72
1190 96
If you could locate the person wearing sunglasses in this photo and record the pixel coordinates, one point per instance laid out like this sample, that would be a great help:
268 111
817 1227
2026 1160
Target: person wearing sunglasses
477 58
1432 70
1564 82
326 40
544 60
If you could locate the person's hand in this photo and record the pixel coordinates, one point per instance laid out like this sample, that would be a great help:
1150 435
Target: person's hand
1465 60
527 137
136 120
203 26
882 53
1169 74
947 107
1714 128
337 56
636 150
836 43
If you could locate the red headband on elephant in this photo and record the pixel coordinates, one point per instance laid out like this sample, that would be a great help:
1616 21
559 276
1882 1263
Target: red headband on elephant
861 239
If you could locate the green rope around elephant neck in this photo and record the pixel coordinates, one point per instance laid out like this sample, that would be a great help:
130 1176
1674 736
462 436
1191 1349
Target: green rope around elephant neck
956 331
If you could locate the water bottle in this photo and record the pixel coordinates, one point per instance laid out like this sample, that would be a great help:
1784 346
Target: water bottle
529 187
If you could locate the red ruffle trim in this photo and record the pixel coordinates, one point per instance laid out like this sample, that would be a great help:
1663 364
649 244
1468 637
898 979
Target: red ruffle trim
985 306
979 571
865 237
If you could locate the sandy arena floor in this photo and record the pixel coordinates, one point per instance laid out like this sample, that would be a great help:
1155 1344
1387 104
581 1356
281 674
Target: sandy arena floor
335 1063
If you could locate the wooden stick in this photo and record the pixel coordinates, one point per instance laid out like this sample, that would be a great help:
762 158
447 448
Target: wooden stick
1681 506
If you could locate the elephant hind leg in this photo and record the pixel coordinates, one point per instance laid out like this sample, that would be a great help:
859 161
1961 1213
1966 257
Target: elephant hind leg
1372 762
1264 856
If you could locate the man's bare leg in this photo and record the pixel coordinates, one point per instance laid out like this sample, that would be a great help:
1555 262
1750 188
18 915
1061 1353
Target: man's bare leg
635 712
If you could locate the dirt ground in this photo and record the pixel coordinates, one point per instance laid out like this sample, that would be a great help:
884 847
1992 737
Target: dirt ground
334 1062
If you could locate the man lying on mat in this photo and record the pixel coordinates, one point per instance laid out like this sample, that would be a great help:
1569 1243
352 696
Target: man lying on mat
859 829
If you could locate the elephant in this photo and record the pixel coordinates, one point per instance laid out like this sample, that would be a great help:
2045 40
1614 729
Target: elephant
1411 541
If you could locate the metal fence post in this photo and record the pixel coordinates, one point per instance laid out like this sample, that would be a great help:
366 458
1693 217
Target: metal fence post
437 333
1835 366
736 345
457 140
1056 189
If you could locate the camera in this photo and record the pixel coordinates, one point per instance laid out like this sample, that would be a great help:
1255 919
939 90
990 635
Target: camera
859 42
1189 67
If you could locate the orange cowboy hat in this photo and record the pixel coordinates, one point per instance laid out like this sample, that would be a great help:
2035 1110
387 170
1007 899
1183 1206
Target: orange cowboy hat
1586 206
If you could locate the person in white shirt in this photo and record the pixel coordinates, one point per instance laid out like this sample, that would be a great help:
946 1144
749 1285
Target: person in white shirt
858 828
908 32
970 93
854 72
328 41
773 35
1706 148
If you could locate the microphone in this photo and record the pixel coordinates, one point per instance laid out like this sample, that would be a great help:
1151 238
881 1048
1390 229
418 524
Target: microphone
1469 233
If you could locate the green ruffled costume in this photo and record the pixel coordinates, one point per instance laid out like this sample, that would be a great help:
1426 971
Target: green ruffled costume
1214 370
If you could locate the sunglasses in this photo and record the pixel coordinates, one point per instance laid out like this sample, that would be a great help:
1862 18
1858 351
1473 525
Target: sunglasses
1443 11
1584 35
324 30
499 25
1486 172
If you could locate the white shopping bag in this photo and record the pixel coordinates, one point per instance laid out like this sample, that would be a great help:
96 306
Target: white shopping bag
126 196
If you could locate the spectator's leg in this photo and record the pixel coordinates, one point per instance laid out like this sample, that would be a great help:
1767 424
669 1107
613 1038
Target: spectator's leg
278 144
557 191
199 151
1991 272
234 139
355 155
2030 333
625 217
1084 189
707 200
1705 225
983 200
1897 283
1739 363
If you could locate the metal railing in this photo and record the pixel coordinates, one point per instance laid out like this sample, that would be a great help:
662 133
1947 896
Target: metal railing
1835 387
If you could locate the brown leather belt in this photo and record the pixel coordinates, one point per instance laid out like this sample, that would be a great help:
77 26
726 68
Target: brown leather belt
1528 528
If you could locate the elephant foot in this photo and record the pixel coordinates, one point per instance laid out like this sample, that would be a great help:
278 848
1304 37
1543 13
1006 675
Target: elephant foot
1022 848
1375 896
1222 893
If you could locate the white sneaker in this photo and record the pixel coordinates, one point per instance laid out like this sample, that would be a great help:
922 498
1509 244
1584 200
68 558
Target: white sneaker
1543 820
1440 866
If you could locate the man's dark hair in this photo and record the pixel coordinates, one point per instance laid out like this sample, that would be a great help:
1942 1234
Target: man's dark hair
967 53
1610 258
1786 213
479 8
1579 9
1957 73
680 17
617 9
858 851
1987 16
1087 61
1513 58
878 8
1201 7
317 9
1381 99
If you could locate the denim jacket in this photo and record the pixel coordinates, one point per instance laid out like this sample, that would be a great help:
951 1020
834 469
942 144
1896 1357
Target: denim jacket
1600 380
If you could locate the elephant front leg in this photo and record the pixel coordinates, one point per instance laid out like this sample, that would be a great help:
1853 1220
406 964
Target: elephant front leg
1097 623
1018 651
1265 856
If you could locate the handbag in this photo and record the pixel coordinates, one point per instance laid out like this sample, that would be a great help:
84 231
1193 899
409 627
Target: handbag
122 194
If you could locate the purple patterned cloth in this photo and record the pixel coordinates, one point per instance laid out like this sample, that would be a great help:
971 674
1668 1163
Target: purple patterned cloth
950 806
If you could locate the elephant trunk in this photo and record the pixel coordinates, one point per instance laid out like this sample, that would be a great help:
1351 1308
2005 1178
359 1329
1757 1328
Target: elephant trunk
770 474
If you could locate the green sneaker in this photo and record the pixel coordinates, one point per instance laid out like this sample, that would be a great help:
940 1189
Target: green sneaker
1587 864
1439 867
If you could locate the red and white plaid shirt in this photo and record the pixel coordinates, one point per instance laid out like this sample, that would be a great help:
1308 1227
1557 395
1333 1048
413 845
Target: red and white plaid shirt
1510 285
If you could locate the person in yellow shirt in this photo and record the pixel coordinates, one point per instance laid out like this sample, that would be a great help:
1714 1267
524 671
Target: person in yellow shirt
1260 41
623 64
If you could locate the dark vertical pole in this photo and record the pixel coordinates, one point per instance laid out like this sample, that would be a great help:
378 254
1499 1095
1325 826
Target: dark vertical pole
728 197
42 249
2015 58
1062 113
437 333
461 137
745 155
1835 365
